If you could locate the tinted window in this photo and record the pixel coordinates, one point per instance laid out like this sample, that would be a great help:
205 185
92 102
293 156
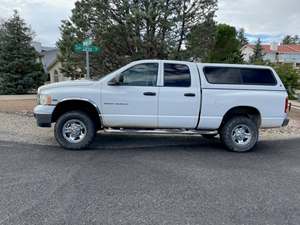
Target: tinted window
258 76
140 75
222 75
176 75
246 76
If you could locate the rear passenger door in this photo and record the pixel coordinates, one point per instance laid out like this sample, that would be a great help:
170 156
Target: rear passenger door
179 96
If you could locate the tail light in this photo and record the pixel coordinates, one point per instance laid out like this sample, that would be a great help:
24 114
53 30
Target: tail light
287 106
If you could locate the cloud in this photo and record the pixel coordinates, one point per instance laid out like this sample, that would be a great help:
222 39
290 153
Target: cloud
274 18
44 16
269 20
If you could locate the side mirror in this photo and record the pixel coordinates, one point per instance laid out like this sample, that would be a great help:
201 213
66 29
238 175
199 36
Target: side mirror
115 81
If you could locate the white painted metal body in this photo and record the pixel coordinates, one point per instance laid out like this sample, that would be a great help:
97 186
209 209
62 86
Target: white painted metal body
127 107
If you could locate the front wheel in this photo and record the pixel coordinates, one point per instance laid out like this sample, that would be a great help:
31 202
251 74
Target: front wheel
239 134
74 130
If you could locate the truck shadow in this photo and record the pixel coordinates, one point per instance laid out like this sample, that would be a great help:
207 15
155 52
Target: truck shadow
174 142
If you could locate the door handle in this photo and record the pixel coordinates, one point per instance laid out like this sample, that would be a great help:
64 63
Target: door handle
149 93
189 94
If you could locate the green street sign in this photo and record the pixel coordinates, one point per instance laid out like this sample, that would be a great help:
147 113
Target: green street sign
81 48
87 42
78 48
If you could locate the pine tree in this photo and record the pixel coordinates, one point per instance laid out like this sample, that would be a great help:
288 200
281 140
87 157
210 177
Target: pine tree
129 30
258 55
227 47
20 71
242 37
201 40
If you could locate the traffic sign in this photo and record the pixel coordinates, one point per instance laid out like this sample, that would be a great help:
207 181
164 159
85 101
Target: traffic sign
82 48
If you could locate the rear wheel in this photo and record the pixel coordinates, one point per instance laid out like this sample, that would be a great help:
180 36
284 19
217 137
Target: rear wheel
239 134
74 130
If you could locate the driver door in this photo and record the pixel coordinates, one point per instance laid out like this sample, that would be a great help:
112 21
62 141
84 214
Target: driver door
131 98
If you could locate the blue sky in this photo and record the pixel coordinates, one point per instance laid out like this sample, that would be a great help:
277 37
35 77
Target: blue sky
265 38
267 19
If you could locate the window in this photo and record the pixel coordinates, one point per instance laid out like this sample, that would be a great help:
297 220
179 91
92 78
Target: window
258 77
176 75
222 75
56 78
246 76
140 75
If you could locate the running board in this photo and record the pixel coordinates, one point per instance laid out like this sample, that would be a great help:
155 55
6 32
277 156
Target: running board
160 131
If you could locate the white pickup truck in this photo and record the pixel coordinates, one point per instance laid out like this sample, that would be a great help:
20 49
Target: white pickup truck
233 101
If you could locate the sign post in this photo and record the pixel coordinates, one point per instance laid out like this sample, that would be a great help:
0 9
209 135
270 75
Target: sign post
87 47
87 59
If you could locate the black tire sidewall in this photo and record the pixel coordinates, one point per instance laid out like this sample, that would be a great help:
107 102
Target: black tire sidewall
84 118
227 130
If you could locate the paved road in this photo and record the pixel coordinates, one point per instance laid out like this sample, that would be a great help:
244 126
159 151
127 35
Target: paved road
128 179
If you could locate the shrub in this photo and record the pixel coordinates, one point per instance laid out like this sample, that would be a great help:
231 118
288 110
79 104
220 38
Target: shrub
289 76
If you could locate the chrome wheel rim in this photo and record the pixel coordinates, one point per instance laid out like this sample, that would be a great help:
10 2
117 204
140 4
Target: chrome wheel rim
241 135
74 131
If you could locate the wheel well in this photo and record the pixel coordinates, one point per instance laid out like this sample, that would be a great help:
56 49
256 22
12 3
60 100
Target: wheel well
247 111
81 105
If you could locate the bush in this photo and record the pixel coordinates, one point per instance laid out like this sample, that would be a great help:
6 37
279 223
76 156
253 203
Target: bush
289 76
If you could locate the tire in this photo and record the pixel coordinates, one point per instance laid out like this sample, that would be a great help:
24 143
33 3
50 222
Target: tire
83 128
209 136
239 134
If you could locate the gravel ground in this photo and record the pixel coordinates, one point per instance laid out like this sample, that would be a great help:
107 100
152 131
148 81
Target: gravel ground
21 127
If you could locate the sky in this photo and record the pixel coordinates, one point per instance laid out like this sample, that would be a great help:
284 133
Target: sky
267 19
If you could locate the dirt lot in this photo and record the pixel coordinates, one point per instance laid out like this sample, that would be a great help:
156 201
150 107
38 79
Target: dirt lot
21 106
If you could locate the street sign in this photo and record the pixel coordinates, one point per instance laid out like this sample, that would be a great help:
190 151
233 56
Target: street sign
81 48
87 42
91 48
87 47
78 48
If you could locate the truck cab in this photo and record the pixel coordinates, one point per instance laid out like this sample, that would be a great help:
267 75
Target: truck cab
168 96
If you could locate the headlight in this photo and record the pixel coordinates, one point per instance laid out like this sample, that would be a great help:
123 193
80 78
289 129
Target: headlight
44 100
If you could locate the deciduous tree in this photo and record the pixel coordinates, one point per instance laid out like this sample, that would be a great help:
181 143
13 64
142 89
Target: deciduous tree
288 39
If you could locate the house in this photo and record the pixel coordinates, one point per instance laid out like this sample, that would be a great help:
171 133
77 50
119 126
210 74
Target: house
48 56
275 53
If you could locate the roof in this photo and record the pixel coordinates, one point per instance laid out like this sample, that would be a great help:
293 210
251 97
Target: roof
201 64
49 58
281 48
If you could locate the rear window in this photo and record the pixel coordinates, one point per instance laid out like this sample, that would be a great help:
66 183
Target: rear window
176 75
246 76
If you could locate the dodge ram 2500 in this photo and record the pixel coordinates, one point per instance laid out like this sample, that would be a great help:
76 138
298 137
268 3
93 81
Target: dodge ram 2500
232 101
